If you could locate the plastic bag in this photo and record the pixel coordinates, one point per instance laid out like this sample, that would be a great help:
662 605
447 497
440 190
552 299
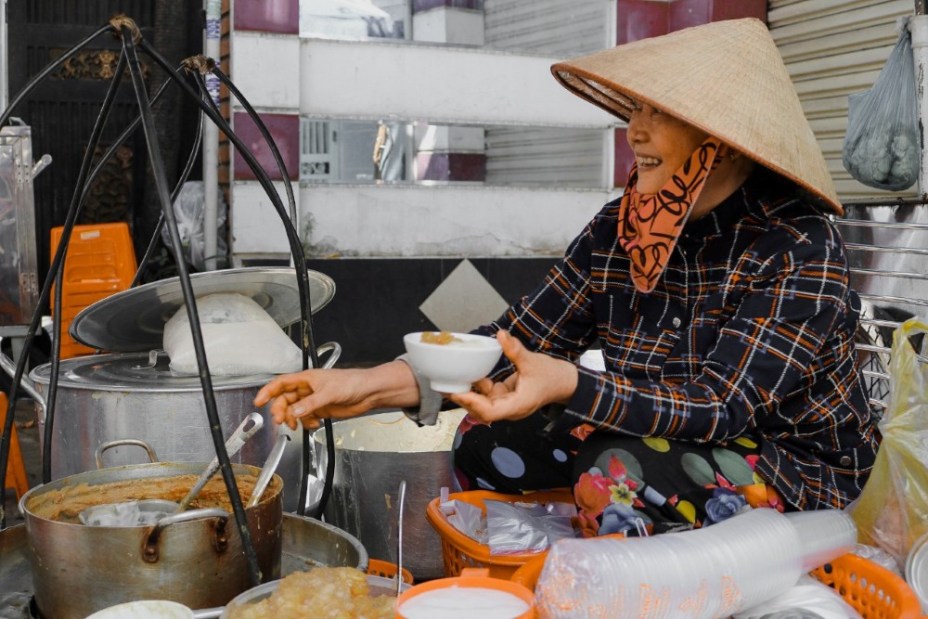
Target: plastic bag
512 528
878 556
881 147
807 599
239 337
515 528
892 510
189 213
466 518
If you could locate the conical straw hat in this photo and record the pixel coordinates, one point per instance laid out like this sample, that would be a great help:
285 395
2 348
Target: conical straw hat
726 78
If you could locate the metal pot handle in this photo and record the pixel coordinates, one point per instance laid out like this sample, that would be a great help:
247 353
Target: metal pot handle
150 551
25 382
98 454
329 347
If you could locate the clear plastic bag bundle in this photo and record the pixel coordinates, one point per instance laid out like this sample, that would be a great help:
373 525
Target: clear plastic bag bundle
704 573
240 339
881 147
892 510
527 527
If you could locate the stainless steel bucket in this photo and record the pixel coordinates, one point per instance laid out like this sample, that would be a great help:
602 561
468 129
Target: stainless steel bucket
372 455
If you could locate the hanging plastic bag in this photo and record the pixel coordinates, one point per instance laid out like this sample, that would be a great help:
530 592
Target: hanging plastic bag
881 147
892 510
189 211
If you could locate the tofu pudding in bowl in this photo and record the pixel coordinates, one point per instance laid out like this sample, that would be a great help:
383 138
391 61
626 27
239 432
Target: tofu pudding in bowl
451 361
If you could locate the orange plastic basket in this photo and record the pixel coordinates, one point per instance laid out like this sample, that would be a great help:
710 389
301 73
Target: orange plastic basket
460 551
528 573
871 589
377 567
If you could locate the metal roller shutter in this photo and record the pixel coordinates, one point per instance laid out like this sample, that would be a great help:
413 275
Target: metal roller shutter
553 29
833 48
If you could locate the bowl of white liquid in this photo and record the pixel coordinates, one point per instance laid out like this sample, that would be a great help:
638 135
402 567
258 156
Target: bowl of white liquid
472 594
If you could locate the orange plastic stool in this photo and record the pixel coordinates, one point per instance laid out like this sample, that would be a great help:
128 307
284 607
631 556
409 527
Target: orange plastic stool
100 261
15 469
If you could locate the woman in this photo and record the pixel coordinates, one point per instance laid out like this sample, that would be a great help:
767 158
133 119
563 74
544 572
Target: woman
717 290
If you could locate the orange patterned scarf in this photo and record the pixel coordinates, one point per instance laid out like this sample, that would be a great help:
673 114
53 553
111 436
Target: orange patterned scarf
649 225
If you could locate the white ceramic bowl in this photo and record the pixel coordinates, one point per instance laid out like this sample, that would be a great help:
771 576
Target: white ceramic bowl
145 609
454 367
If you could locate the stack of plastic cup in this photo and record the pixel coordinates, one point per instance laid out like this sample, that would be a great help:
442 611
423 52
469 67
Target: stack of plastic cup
710 572
823 535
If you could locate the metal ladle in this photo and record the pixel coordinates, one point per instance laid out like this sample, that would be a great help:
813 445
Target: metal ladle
270 466
148 511
235 442
399 539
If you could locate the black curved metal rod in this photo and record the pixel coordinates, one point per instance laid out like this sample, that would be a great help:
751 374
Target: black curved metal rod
47 70
5 436
262 128
308 355
157 167
293 238
54 269
48 432
99 168
184 175
77 201
153 242
296 247
327 423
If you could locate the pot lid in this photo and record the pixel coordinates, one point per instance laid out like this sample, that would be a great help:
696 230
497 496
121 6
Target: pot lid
133 320
136 372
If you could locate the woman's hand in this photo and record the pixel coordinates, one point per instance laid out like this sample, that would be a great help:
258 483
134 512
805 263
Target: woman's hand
539 380
312 395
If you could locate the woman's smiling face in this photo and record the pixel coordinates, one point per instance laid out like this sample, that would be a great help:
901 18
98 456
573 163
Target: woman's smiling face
661 144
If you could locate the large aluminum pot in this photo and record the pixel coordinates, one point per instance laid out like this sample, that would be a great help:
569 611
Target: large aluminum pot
195 557
373 454
306 542
105 398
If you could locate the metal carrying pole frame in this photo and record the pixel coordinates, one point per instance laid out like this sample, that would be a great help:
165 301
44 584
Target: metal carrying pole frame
132 41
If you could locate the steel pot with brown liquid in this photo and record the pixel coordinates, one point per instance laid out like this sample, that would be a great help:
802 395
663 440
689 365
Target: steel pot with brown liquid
132 393
194 557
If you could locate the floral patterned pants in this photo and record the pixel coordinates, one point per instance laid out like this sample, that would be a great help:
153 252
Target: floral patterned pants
621 484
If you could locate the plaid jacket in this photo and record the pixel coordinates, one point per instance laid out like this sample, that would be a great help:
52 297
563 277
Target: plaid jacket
750 332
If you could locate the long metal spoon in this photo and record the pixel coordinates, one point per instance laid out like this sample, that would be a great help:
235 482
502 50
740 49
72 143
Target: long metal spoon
233 445
146 511
270 466
399 540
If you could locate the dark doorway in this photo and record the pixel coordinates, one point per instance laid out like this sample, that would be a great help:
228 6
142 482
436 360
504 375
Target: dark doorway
64 107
